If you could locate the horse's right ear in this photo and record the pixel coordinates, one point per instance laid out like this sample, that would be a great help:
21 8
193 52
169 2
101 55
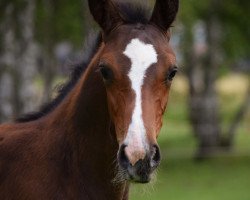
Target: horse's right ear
105 14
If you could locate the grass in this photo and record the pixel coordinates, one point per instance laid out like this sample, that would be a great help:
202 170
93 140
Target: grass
224 177
216 179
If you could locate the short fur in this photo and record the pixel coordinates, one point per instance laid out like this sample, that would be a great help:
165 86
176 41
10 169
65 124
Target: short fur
74 148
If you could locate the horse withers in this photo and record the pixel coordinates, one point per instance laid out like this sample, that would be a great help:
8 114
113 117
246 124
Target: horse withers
100 133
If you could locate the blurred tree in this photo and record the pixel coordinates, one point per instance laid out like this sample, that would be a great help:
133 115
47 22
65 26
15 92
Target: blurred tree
48 42
18 57
23 24
58 21
205 41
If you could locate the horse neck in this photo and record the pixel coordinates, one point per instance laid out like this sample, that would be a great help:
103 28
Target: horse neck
84 119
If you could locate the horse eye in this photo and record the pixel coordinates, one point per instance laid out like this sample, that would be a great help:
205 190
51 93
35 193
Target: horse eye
172 73
106 73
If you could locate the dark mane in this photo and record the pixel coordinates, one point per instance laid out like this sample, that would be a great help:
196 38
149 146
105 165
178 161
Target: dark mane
131 14
91 46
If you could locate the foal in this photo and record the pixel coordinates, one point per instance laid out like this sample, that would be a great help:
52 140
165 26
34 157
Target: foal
105 121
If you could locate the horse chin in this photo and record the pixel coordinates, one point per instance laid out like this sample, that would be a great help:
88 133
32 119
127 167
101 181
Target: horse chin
139 175
134 174
140 179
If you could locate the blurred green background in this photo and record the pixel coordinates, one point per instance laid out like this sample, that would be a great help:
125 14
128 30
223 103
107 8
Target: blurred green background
205 139
224 176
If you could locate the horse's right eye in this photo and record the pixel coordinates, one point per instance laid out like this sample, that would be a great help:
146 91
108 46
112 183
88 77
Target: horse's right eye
106 72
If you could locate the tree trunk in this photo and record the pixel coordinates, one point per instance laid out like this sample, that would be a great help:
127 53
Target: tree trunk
206 101
18 59
201 70
7 62
49 63
202 62
228 140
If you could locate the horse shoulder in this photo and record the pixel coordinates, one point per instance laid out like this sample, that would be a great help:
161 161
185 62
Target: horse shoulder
15 157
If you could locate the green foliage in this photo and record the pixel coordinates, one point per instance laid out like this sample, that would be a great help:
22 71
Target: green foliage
192 10
62 19
233 16
182 179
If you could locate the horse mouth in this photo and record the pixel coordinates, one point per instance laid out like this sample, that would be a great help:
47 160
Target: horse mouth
123 176
142 172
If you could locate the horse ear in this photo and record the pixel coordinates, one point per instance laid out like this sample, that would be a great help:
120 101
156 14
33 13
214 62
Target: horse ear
105 14
164 13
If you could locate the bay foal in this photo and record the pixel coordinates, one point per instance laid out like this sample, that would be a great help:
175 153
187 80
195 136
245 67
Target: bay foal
104 124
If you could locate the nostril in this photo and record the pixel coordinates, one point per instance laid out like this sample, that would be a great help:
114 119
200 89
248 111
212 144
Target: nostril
122 158
156 156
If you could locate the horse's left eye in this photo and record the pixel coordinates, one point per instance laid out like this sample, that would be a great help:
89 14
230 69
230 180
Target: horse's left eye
106 72
171 74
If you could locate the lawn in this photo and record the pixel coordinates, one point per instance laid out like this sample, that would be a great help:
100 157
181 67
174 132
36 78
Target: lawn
223 177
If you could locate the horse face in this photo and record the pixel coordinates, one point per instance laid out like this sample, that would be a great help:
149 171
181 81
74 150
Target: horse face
137 65
137 70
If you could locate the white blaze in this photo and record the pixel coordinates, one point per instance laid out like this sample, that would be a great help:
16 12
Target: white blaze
142 56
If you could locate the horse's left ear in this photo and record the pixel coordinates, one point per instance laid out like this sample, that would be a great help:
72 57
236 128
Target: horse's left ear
105 14
164 13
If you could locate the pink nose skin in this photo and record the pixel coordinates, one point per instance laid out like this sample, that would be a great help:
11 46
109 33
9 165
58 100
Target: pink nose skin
137 161
134 154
